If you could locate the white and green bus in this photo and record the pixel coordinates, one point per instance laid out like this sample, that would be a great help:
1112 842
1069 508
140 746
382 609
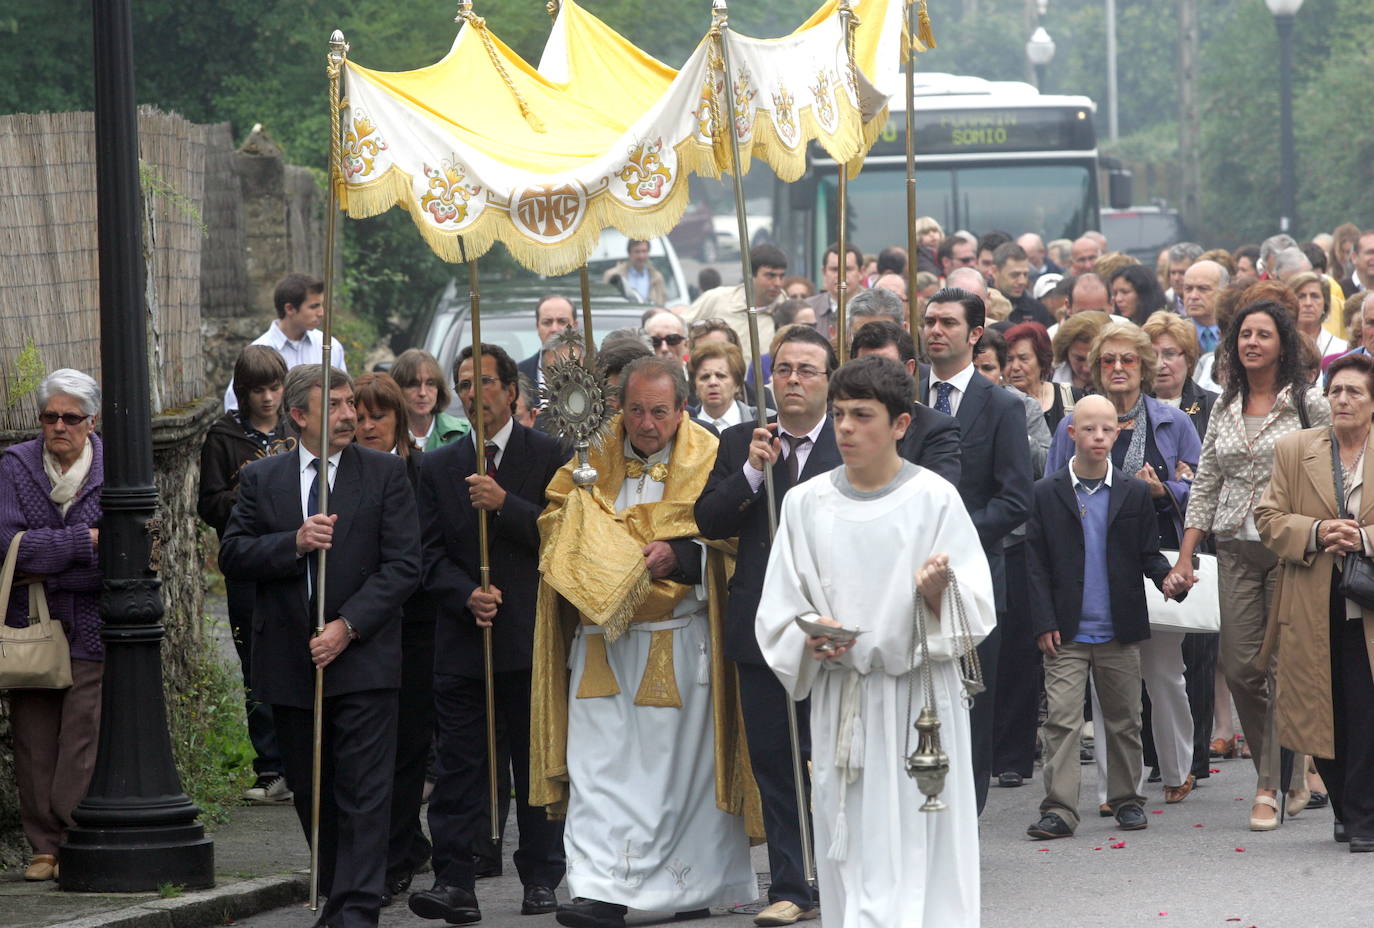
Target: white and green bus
990 155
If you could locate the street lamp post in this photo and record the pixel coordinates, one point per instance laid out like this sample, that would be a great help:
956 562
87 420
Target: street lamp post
1285 12
136 829
1040 51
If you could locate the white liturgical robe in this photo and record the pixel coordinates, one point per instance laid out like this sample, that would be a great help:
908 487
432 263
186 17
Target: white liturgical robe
643 828
853 556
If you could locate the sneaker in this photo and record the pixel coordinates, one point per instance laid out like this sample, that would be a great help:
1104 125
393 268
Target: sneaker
269 789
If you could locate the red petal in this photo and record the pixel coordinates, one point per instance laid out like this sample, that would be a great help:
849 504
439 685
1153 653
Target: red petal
1240 850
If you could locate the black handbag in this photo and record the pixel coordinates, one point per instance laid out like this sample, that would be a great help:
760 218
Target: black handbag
1357 574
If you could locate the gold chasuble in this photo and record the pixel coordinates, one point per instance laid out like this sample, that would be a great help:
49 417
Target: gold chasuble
592 572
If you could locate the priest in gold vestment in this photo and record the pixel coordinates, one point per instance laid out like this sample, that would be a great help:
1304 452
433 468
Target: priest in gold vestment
636 736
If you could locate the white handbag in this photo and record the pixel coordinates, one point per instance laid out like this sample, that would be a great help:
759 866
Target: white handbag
1200 612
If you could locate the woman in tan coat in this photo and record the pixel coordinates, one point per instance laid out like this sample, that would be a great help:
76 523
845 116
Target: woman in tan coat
1325 697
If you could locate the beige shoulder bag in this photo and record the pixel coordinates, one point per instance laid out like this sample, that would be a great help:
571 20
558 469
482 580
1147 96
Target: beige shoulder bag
37 656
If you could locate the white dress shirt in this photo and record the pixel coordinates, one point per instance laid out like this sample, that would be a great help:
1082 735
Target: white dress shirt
308 349
501 439
734 415
308 475
755 476
960 383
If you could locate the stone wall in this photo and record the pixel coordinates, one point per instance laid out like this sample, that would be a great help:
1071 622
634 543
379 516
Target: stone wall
267 222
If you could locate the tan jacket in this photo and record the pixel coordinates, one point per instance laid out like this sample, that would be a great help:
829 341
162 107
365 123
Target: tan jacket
658 290
727 303
1233 473
1302 492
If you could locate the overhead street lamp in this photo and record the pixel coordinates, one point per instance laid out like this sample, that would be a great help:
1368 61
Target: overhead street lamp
1285 12
1040 51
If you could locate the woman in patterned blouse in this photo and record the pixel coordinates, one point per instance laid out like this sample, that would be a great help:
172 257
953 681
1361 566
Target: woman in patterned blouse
1267 397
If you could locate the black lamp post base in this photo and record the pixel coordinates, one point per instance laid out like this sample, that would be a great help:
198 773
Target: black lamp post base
133 860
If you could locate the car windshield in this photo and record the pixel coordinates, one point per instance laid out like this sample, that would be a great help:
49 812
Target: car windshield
610 251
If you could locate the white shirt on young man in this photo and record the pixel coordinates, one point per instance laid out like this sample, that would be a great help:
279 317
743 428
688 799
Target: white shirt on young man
308 349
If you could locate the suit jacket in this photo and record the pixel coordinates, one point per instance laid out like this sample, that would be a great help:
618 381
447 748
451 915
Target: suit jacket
1196 404
530 368
373 566
995 479
727 508
1055 556
451 560
932 441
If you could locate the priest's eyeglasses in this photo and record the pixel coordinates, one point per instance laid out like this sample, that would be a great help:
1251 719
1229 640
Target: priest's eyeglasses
69 419
805 372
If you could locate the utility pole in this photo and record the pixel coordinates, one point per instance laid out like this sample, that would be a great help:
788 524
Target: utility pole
1189 121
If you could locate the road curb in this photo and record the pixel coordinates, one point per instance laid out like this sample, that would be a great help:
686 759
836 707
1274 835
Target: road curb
203 909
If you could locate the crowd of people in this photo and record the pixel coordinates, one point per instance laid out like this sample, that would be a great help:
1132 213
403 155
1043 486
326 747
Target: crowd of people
1064 426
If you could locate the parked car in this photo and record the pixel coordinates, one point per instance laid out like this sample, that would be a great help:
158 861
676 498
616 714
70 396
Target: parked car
695 233
1142 231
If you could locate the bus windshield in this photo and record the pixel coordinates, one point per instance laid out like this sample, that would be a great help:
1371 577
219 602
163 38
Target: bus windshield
1051 200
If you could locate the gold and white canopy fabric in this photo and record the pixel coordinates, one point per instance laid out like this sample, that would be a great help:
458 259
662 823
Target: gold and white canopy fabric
482 147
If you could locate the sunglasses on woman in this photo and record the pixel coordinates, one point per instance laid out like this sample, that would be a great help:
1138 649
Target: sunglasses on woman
70 419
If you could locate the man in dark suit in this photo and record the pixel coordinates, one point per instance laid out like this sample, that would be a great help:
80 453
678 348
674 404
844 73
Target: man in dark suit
520 464
995 482
373 565
552 314
801 444
932 438
826 303
1089 614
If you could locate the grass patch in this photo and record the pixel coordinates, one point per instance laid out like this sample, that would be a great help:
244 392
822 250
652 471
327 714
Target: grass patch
210 734
170 890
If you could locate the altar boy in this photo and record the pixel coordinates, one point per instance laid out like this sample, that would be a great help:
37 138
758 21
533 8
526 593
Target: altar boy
1089 614
855 547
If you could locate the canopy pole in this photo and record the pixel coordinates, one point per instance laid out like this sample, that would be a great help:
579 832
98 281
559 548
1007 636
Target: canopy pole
912 243
589 345
338 53
841 262
477 418
721 116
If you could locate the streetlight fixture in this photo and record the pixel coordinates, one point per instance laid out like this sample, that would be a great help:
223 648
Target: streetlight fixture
136 829
1040 51
1285 12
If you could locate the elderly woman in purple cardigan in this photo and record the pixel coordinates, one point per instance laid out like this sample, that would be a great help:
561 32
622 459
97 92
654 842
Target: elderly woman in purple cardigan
50 490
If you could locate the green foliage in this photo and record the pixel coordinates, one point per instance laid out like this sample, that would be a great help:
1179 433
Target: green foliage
210 733
170 890
154 185
25 375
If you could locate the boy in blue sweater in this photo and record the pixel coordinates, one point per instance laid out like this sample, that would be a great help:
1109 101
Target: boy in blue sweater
1089 614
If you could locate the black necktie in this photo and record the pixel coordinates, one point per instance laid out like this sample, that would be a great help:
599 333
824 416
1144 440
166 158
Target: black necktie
312 500
312 508
491 449
794 444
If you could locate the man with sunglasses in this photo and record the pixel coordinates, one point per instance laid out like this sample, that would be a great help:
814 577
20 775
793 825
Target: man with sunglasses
728 303
668 333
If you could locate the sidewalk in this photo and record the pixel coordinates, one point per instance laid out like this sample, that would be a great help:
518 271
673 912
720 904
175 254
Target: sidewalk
260 863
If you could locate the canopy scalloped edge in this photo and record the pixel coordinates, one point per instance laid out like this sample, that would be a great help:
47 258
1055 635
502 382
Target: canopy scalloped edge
467 184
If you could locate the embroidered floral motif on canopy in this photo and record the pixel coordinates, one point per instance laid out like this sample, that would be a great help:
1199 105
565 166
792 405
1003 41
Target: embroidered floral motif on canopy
483 146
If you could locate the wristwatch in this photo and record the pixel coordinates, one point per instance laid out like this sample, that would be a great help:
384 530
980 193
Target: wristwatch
352 632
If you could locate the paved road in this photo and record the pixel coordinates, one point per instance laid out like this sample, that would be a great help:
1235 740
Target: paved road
1197 866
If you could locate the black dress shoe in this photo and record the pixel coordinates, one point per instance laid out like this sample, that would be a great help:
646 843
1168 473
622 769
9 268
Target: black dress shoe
589 913
539 900
694 913
1011 779
387 899
1339 833
1360 845
1318 800
453 904
398 883
1131 818
1050 826
1154 776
